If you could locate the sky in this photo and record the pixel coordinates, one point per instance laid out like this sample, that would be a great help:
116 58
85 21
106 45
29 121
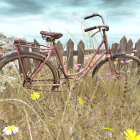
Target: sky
26 18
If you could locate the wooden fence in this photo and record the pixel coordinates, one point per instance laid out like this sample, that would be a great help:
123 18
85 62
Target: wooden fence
124 45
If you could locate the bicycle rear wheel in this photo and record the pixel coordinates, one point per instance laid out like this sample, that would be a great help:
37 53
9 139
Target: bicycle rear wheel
11 77
127 67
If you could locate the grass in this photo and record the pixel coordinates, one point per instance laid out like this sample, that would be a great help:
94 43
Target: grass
58 115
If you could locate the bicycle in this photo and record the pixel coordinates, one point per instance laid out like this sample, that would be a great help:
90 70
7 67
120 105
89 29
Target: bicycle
42 72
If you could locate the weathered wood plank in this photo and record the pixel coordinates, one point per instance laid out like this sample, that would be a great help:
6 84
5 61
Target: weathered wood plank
70 49
60 48
36 44
123 44
115 48
137 48
80 48
129 49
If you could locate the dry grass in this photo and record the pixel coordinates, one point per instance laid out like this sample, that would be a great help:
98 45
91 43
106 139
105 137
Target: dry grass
58 115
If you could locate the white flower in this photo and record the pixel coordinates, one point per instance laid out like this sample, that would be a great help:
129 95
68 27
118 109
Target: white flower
8 130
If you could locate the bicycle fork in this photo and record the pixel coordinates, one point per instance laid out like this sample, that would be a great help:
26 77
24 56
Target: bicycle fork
109 55
111 67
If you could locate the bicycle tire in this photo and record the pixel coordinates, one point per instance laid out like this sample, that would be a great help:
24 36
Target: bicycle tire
120 62
12 60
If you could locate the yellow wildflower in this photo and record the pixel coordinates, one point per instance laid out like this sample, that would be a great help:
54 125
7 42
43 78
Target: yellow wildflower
80 101
109 73
131 135
115 62
35 96
42 75
109 129
135 50
122 61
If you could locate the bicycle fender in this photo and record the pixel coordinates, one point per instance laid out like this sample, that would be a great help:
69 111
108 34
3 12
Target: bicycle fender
21 52
7 56
118 54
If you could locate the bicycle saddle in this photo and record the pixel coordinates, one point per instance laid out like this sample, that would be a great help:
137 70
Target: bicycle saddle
51 34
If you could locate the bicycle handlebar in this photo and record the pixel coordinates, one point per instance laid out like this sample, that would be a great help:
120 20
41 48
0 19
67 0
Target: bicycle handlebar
94 15
91 28
95 27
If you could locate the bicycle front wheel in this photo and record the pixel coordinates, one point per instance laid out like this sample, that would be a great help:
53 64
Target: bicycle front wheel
127 67
11 76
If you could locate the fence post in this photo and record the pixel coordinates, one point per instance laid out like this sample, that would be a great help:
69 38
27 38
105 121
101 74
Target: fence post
70 49
129 47
60 48
137 48
36 44
80 49
1 52
137 53
115 48
25 60
123 44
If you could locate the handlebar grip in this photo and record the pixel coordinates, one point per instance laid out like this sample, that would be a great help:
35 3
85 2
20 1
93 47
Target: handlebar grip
93 15
88 17
91 28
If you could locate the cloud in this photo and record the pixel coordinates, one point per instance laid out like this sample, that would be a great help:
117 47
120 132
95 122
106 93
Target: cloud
78 3
19 8
120 9
62 7
114 3
23 7
26 7
34 15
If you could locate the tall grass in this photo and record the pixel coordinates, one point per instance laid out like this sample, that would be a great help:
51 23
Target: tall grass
58 115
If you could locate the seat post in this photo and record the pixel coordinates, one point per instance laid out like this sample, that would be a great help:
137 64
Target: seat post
54 42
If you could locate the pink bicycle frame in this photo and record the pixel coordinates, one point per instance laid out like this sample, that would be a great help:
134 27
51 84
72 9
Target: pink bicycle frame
84 72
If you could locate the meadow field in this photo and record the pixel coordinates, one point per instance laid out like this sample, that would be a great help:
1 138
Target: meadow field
90 110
